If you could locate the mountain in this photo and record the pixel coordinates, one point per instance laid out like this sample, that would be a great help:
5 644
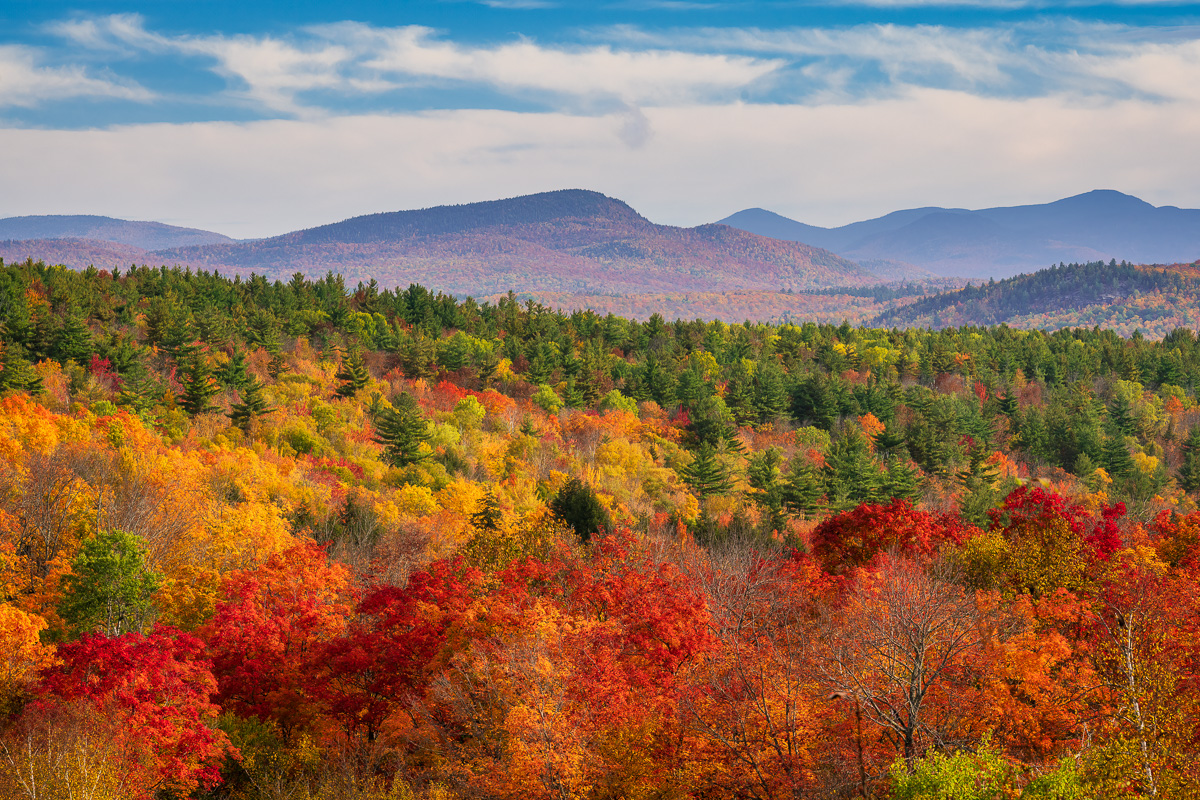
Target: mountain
564 241
143 235
77 253
1000 242
1121 297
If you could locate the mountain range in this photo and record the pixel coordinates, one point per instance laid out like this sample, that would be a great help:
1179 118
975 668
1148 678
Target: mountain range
582 243
1000 242
564 241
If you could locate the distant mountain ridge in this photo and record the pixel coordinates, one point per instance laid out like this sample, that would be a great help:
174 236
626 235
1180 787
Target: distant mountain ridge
1122 297
1000 242
142 235
564 241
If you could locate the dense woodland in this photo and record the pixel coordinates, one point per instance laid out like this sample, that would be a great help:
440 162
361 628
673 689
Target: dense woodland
1151 300
300 540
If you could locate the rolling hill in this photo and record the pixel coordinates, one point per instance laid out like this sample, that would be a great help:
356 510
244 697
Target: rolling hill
1125 298
141 235
565 241
570 241
1001 242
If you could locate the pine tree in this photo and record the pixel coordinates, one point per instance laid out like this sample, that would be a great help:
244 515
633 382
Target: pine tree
73 340
978 479
252 405
233 373
198 385
707 475
353 374
1189 470
577 505
763 474
803 489
16 372
770 391
851 474
487 516
1115 455
402 430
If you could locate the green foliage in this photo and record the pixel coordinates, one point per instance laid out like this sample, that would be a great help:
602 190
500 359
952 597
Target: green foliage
546 399
353 374
109 588
706 474
252 405
577 506
982 775
402 430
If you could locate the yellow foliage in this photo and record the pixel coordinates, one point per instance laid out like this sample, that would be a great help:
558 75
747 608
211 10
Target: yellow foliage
460 496
21 652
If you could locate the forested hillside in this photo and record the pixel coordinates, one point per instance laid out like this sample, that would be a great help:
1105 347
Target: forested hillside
301 539
1153 300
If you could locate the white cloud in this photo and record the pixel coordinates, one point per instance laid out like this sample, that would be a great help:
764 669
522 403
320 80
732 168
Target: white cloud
361 59
828 164
25 82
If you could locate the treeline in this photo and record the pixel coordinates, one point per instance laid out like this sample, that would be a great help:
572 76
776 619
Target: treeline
263 539
1057 289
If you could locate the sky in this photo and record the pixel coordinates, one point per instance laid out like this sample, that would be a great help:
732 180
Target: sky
256 118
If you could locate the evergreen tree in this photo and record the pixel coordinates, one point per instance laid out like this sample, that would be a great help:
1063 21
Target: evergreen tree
770 391
233 373
706 474
1189 470
73 339
353 374
402 430
198 385
252 405
851 474
977 479
803 490
763 474
739 393
577 505
902 481
16 372
1115 456
487 516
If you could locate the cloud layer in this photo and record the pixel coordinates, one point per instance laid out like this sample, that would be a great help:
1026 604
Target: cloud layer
826 124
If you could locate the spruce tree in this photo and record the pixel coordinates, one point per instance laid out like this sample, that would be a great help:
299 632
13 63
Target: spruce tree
252 405
353 374
198 385
763 474
402 430
851 474
16 372
706 474
1189 470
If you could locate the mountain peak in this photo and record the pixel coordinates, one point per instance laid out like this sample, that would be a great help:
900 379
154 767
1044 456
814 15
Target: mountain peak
530 209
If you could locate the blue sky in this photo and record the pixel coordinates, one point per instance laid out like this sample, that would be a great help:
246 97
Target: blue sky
255 118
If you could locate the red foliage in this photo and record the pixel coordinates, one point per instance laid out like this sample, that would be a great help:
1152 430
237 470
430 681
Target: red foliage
155 692
385 657
1037 507
267 634
857 537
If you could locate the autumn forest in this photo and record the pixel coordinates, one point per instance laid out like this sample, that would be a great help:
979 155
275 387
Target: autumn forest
265 540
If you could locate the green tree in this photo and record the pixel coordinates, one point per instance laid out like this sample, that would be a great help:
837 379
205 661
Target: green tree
233 373
353 374
402 430
803 490
253 405
1189 470
764 475
199 385
706 474
577 505
109 589
851 474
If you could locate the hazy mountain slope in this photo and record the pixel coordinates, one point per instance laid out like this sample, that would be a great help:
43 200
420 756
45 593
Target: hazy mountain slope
571 240
1000 242
76 253
145 235
1122 297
